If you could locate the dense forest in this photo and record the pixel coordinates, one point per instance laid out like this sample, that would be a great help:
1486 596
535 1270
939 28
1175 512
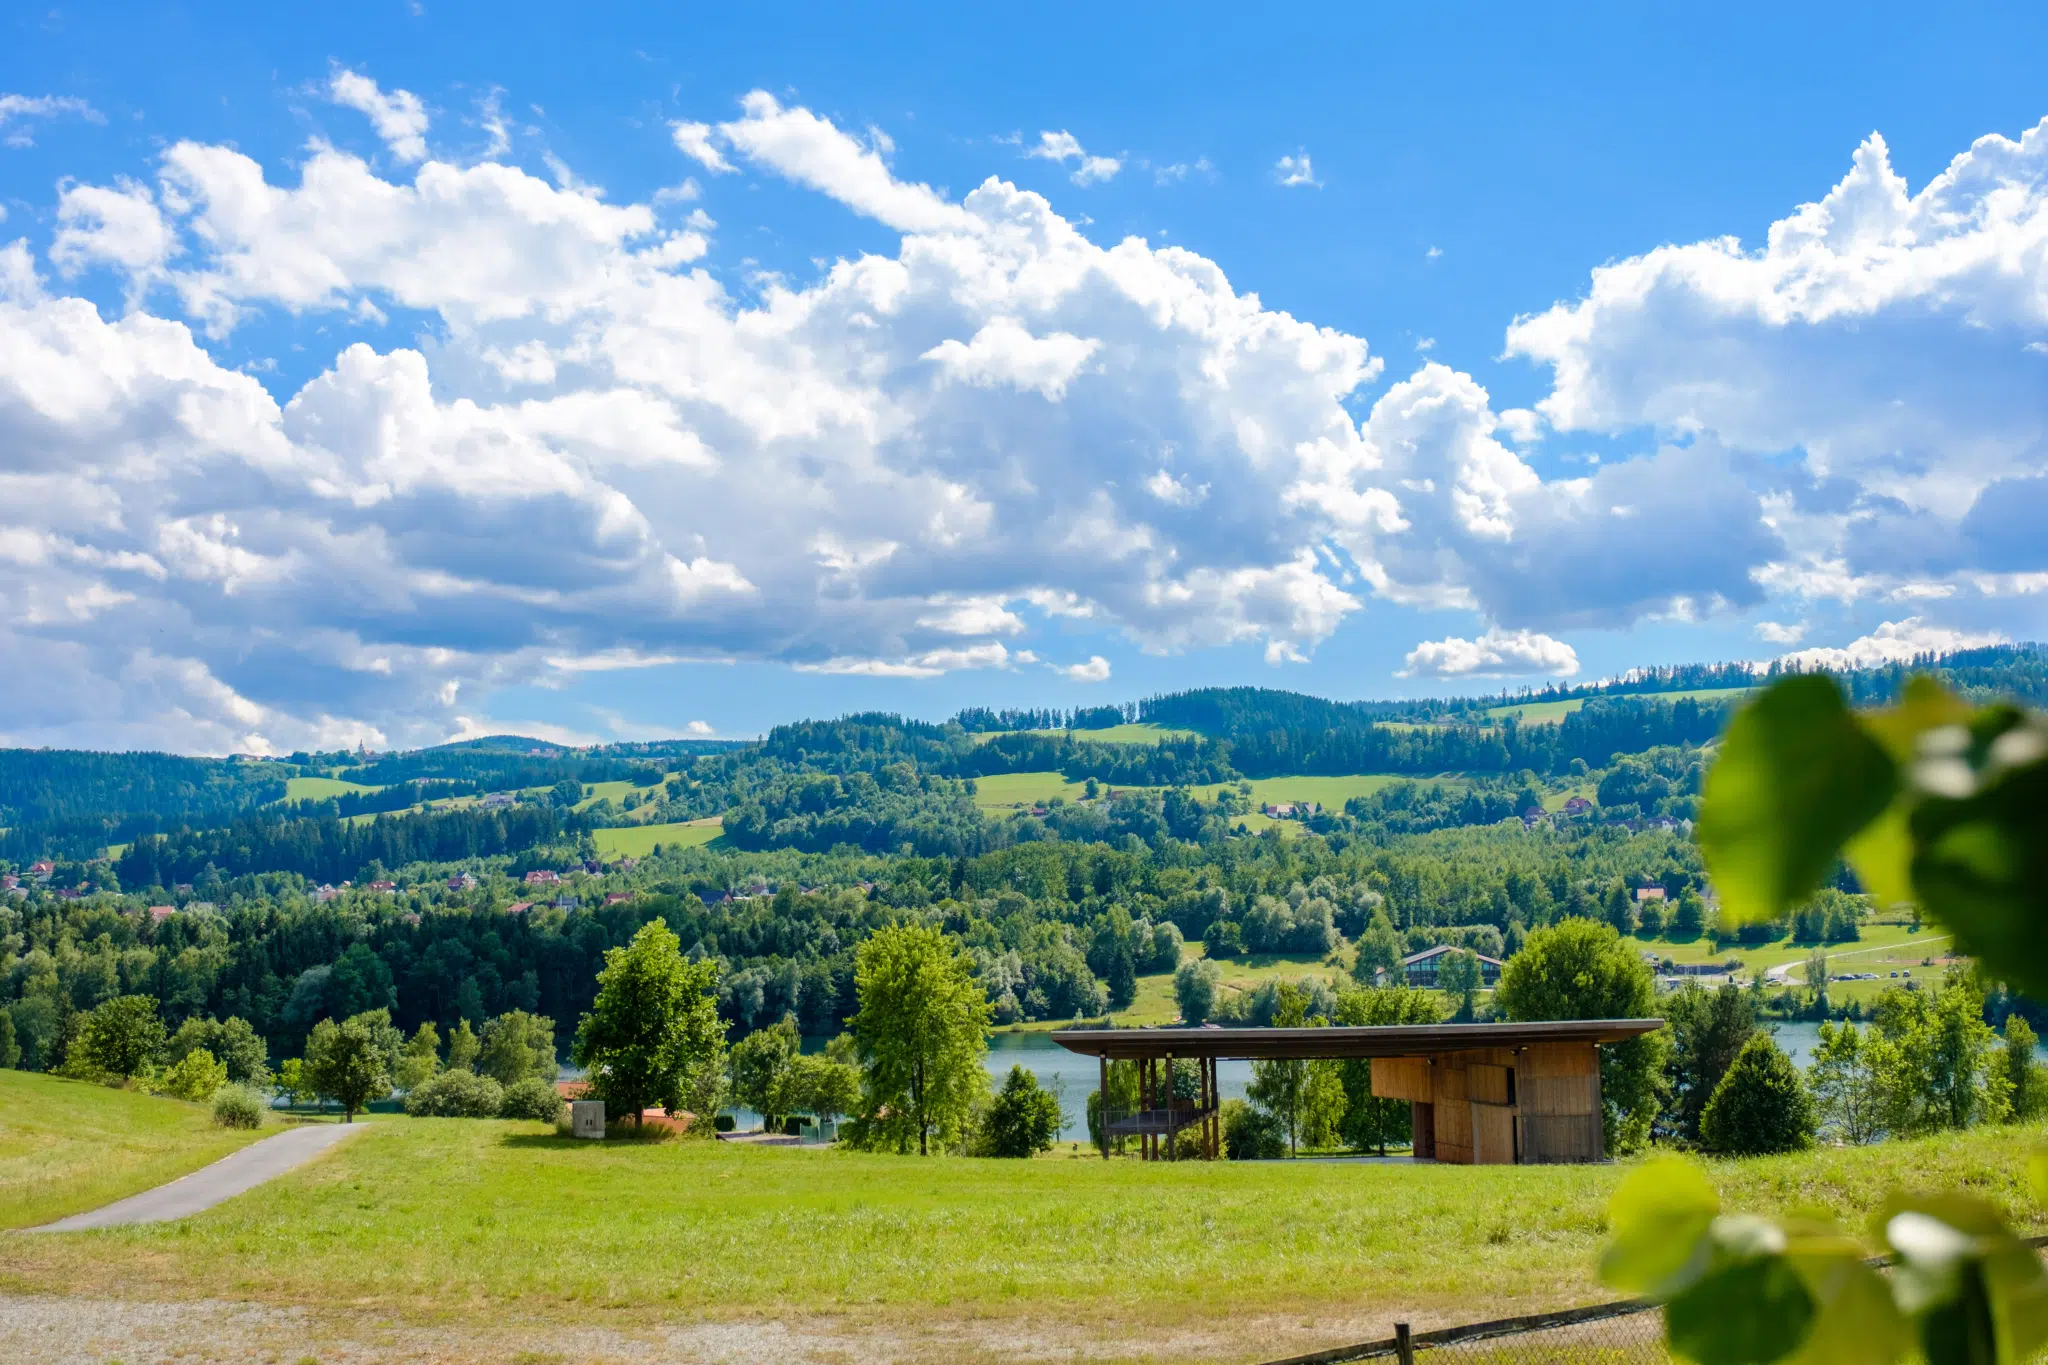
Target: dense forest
832 828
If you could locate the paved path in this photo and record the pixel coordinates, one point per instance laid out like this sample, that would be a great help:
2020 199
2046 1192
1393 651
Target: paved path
209 1185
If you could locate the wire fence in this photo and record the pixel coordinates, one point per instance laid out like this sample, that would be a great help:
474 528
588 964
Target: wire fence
1626 1332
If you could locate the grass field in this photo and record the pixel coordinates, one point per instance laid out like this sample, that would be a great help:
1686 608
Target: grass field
594 792
1023 789
69 1146
1115 734
321 788
1551 712
483 1224
637 841
1879 943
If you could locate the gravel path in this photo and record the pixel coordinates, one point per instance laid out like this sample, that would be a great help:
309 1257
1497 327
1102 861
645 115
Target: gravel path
209 1185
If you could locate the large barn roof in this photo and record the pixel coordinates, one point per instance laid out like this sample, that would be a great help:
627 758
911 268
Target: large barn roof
1394 1040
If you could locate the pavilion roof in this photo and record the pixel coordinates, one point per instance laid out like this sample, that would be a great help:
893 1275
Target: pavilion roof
1393 1040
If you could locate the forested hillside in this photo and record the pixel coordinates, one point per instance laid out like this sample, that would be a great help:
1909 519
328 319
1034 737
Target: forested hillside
1069 852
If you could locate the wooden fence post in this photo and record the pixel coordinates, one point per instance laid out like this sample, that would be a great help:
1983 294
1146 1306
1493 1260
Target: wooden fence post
1404 1349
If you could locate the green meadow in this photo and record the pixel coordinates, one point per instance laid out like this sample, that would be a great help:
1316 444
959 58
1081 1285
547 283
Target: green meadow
485 1223
1551 712
69 1146
638 841
322 788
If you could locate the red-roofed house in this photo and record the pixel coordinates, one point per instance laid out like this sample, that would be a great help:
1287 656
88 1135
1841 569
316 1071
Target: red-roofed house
1649 893
159 913
543 876
518 907
616 897
1578 805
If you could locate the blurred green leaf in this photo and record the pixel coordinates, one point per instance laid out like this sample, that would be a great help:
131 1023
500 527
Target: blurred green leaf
1745 1311
1978 1292
1659 1216
1980 865
2037 1174
1796 778
1857 1322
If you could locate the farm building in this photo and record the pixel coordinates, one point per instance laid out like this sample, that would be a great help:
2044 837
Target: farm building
1479 1094
1420 969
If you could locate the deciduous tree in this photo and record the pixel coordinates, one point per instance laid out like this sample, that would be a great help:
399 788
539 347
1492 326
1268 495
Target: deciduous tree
653 1036
920 1033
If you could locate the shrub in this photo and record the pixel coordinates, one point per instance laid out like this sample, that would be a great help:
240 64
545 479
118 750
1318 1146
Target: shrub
457 1095
196 1077
1251 1134
724 1123
531 1098
239 1106
1761 1105
1023 1119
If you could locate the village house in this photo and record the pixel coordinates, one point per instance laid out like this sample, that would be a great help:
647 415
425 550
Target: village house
1420 969
617 897
462 881
1577 805
543 876
497 800
518 907
159 913
1649 893
324 893
384 887
40 872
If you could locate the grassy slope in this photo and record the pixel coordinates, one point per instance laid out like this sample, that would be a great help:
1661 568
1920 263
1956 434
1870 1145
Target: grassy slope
637 841
483 1222
1550 712
1022 789
321 788
69 1146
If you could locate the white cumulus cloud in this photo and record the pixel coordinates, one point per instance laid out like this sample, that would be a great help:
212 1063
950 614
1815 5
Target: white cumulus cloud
1066 149
1095 670
1296 172
398 116
1895 642
1495 654
19 112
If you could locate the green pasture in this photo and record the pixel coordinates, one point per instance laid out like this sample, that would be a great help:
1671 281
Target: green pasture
1115 734
69 1146
1883 947
1023 789
1551 712
322 788
638 841
470 1222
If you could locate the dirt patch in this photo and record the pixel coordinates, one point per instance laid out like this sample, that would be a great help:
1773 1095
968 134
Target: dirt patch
107 1330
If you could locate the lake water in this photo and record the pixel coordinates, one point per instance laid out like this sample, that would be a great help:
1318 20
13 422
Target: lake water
1073 1077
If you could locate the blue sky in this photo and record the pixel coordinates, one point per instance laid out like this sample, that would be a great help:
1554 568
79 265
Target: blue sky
621 453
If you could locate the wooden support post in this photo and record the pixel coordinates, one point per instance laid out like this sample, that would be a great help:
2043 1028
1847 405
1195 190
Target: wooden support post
1404 1347
1102 1105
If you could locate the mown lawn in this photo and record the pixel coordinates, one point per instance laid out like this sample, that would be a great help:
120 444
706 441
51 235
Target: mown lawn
481 1221
69 1146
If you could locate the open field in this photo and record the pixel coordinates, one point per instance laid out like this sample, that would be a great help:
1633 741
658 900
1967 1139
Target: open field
1023 789
1879 943
1115 734
615 792
69 1146
501 1234
1551 712
321 788
637 841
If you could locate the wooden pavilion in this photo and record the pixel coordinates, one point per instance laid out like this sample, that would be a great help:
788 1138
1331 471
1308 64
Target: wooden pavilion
1480 1094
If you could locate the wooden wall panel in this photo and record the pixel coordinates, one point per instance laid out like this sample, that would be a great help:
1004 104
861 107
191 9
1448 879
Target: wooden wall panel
1449 1076
1554 1138
1402 1078
1557 1094
1486 1083
1560 1059
1493 1135
1422 1123
1454 1131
